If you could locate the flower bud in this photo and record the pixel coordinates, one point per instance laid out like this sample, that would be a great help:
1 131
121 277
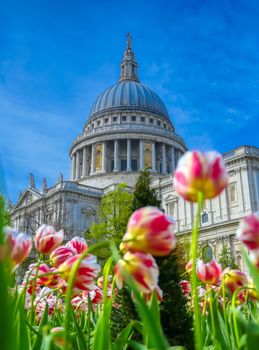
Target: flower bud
149 231
142 268
200 172
47 239
208 273
233 279
186 287
86 273
248 231
78 244
60 254
18 245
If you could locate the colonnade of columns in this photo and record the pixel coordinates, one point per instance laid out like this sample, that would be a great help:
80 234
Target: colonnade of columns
80 170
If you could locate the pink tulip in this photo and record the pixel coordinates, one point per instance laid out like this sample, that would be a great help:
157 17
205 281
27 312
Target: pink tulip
234 279
142 268
208 273
248 231
200 172
96 296
18 245
189 267
186 287
78 244
149 231
79 303
61 254
86 274
47 239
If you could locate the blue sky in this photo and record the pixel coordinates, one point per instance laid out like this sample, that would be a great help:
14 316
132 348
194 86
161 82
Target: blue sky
201 57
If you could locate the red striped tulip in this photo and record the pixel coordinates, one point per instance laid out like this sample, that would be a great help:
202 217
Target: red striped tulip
96 296
186 287
200 172
18 245
159 294
86 274
208 273
47 239
78 244
149 231
234 279
142 268
61 254
248 231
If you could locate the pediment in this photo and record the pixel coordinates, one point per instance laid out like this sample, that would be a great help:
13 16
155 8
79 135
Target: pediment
28 197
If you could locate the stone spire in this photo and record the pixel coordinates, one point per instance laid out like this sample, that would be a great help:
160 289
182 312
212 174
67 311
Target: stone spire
129 66
31 181
44 185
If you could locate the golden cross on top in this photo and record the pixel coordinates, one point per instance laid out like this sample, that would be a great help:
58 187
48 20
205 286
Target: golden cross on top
128 41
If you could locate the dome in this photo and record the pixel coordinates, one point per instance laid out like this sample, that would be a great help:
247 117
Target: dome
129 94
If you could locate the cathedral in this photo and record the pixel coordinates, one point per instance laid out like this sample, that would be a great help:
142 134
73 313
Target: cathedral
129 129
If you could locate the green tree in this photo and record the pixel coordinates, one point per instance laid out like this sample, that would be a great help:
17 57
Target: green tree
4 212
175 319
112 215
226 258
143 195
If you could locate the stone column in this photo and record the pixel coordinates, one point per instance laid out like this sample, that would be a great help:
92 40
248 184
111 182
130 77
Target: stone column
129 155
163 159
116 154
172 160
153 156
92 160
77 165
73 162
84 163
104 152
141 154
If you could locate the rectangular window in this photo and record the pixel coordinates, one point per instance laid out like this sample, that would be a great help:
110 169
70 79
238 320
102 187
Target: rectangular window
232 192
133 118
114 119
142 119
106 120
151 121
134 164
123 164
124 118
164 126
92 125
158 123
98 123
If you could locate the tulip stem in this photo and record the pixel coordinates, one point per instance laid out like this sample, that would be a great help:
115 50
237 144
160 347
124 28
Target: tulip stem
197 316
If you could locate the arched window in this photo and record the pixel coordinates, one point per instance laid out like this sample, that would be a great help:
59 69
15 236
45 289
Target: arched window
207 253
204 217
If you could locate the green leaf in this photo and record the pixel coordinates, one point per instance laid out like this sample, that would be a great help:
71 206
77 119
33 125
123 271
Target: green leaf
44 320
252 270
124 337
80 335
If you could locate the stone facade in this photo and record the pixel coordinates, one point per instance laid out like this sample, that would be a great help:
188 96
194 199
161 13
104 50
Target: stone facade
129 129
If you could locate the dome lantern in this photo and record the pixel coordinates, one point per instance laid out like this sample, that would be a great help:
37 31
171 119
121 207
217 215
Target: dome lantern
129 66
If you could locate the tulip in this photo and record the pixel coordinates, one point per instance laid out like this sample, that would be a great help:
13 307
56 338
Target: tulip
186 287
100 282
79 304
58 334
159 294
251 291
248 231
86 273
234 279
149 231
200 172
61 254
142 268
208 273
96 296
189 267
47 239
78 244
18 245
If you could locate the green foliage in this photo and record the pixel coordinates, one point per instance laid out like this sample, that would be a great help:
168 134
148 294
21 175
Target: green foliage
176 320
113 214
5 214
226 258
143 195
